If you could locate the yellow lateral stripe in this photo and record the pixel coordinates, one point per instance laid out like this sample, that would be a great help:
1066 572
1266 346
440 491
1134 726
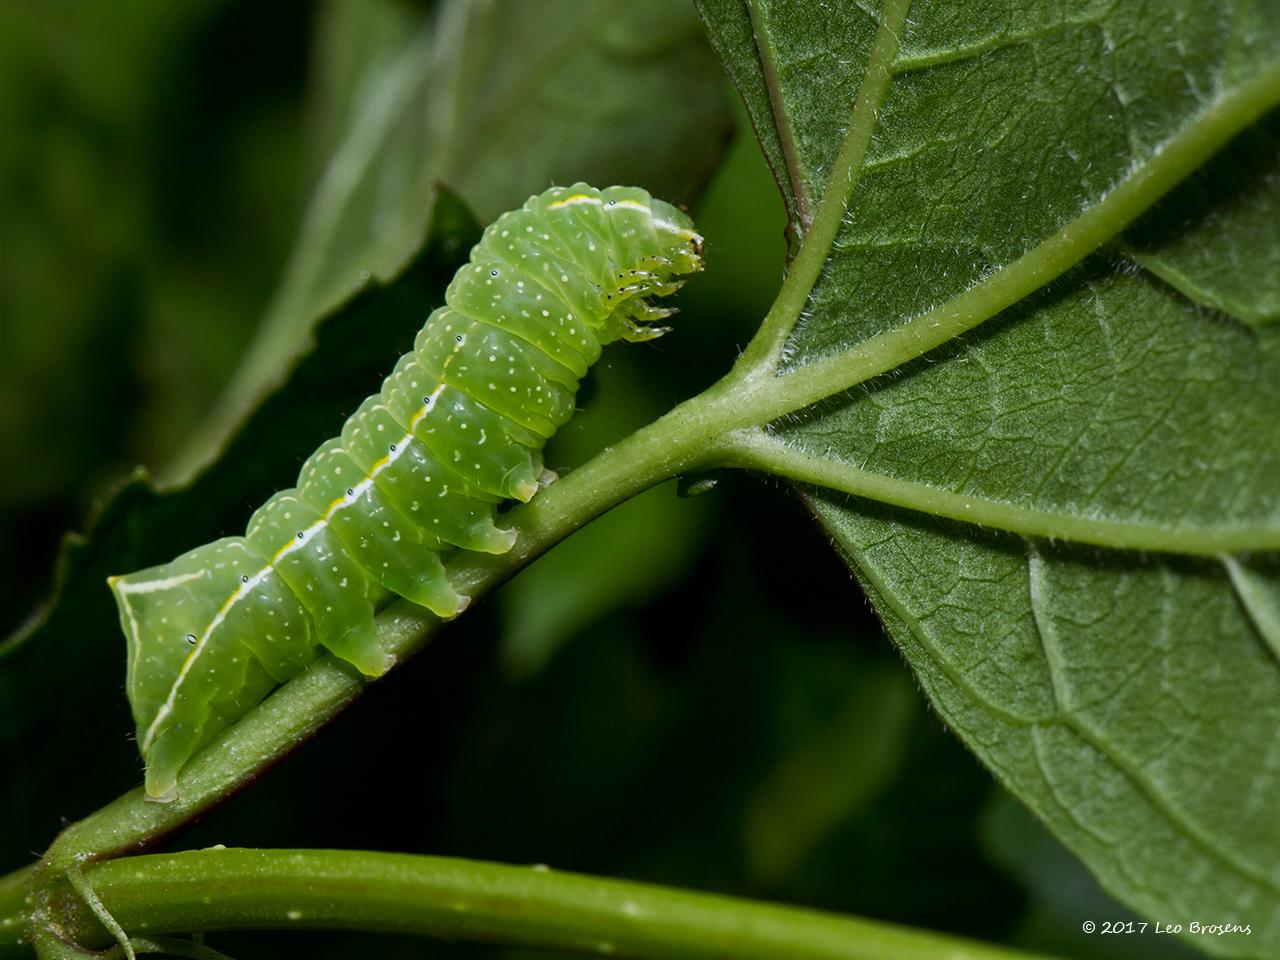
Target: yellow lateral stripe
167 707
576 198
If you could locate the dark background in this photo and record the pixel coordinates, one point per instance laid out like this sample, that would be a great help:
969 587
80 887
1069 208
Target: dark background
692 692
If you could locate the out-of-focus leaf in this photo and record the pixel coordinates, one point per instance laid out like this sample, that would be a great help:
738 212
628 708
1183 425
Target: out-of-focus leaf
832 777
623 559
484 97
136 157
69 144
61 677
1129 700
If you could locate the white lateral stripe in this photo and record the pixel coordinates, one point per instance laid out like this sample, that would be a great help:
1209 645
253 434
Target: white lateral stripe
151 586
245 588
297 543
167 707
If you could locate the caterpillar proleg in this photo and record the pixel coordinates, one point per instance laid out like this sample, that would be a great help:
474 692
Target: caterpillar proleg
415 474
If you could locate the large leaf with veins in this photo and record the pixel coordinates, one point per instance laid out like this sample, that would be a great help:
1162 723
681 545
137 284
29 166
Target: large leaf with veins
1125 401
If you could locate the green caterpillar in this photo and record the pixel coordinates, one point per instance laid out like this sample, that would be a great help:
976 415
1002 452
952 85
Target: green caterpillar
457 428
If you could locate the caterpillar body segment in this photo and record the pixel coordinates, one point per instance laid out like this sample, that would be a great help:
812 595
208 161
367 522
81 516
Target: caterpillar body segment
415 474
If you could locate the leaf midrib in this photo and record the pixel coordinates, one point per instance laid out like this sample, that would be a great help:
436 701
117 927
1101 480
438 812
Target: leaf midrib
758 450
1179 156
781 120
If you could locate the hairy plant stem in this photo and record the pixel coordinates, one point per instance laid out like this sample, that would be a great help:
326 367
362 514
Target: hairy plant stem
703 432
765 348
758 450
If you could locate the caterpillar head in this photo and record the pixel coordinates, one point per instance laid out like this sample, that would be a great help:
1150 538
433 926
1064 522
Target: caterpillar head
680 243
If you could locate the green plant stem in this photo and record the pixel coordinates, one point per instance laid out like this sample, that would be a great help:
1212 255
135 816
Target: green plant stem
786 135
695 435
467 900
1166 168
757 450
765 349
684 439
692 436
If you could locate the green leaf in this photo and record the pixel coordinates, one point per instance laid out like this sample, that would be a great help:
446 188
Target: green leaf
1062 893
52 671
1217 239
606 92
1130 700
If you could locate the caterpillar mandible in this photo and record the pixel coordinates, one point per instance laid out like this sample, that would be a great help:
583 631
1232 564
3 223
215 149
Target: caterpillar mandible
417 471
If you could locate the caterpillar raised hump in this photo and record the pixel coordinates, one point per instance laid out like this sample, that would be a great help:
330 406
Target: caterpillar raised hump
417 472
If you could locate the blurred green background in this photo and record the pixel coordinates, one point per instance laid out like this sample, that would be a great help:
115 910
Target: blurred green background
690 692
